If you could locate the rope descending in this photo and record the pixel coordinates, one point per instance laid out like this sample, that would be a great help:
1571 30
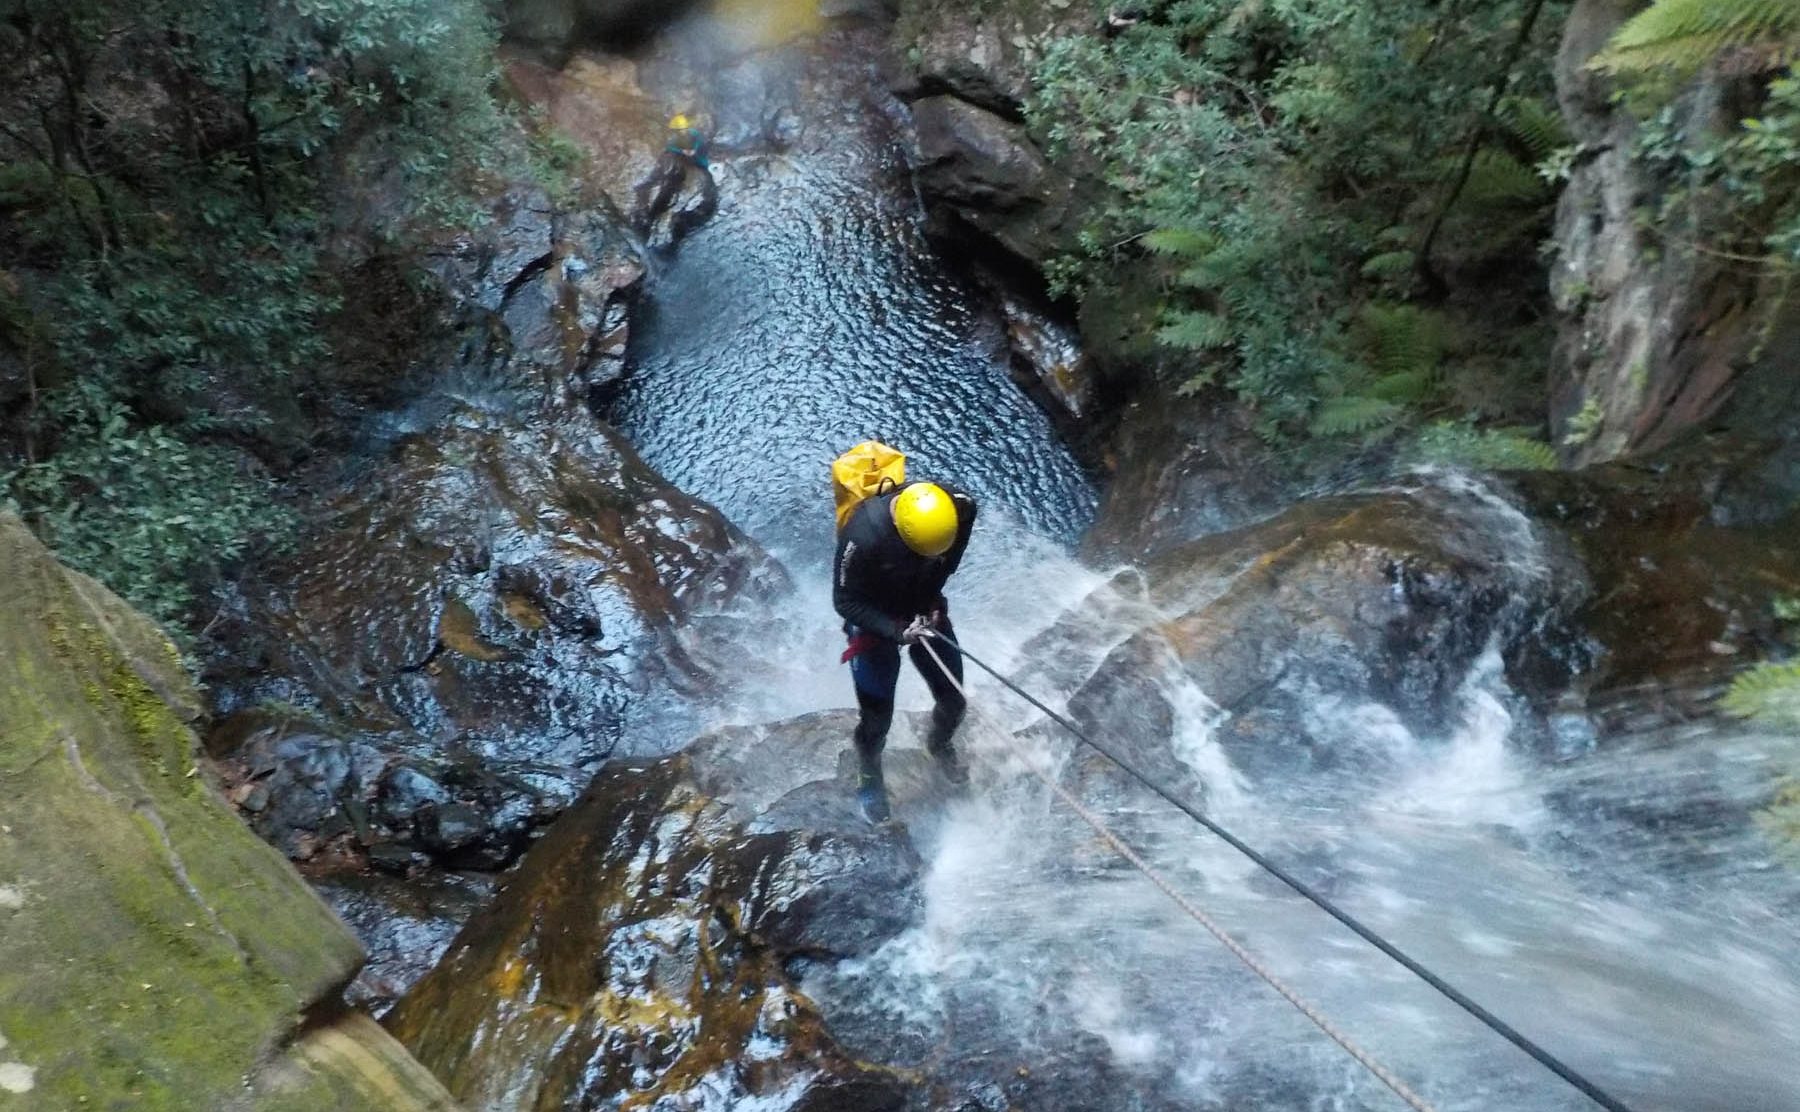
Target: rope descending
1306 1008
1495 1023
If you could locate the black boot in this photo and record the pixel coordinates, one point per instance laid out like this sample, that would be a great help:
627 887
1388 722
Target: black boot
871 737
945 717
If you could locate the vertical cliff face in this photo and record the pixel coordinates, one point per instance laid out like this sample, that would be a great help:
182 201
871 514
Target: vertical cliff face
1656 331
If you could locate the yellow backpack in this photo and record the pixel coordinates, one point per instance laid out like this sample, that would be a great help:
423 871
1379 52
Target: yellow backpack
869 468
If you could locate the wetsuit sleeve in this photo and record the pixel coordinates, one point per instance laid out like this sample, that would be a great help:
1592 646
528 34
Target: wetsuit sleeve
965 525
852 586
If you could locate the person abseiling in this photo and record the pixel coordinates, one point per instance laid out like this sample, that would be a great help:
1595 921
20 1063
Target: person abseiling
894 553
686 140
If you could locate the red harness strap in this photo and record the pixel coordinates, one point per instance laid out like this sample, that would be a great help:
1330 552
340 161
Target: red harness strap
859 644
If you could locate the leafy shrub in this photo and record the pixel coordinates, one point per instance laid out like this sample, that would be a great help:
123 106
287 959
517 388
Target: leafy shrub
145 509
181 183
1293 169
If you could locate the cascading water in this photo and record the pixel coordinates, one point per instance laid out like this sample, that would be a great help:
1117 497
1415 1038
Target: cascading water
1616 907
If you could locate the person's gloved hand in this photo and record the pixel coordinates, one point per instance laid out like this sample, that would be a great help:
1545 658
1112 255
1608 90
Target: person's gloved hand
921 627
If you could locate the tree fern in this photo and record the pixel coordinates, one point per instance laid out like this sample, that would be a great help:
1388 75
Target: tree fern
1389 264
1686 34
1768 693
1498 180
1403 387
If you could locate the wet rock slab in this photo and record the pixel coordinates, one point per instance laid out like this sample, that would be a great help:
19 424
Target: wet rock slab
1386 599
638 956
479 605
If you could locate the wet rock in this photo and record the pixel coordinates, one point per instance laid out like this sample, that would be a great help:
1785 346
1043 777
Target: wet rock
342 1063
638 955
558 26
1654 336
982 53
988 172
1336 610
493 591
1048 360
1183 470
405 791
307 780
450 827
1682 600
153 952
596 102
405 919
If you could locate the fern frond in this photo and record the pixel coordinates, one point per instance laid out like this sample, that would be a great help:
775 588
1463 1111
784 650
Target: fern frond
1686 34
1389 264
1202 276
1182 243
1195 383
1403 339
1403 387
1349 416
1769 693
1536 124
1498 179
1194 331
1484 449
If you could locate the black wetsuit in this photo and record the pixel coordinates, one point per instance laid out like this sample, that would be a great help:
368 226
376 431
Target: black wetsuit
879 586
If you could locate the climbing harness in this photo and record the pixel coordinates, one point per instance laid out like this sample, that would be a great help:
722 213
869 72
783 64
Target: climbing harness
1386 1076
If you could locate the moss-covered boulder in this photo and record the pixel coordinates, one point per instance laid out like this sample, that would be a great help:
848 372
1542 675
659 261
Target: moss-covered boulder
154 954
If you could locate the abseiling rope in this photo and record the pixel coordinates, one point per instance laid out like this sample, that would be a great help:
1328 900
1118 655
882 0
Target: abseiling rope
1306 1008
1499 1026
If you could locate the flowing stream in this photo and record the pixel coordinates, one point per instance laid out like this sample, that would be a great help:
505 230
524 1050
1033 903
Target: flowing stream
1619 905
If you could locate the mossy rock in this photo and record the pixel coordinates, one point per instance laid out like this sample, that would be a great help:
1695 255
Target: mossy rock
153 952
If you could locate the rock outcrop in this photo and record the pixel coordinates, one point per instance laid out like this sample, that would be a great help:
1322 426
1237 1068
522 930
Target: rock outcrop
558 26
473 615
1656 332
1183 469
638 956
985 172
1614 597
1686 561
153 952
1373 600
967 71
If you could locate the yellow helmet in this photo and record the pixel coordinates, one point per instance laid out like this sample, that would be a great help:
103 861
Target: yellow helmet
926 518
679 122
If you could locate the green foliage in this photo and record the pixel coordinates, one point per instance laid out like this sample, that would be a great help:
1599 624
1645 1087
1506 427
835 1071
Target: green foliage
145 509
1683 35
1769 693
168 174
556 160
1585 423
1276 165
1484 449
1343 416
1195 331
